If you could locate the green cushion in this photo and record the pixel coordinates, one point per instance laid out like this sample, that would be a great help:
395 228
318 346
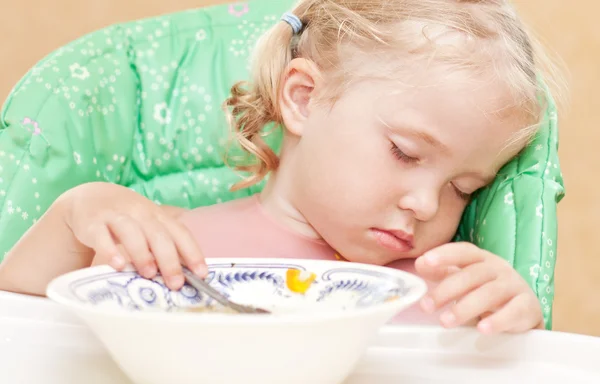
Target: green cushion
139 104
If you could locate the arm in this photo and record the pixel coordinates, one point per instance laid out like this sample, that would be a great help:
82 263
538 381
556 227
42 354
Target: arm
75 233
48 249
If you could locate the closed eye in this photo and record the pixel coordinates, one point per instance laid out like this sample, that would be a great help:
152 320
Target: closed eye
462 195
398 154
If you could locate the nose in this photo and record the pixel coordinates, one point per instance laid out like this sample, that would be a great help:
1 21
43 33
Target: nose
423 203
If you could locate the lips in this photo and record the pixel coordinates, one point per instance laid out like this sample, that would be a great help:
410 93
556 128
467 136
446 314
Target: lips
395 240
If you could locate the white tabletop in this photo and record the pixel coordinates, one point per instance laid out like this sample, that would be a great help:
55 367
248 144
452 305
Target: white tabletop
40 343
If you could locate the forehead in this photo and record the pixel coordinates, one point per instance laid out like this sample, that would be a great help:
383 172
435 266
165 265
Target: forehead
473 118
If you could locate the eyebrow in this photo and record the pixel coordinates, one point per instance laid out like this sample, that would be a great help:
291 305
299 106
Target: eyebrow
423 136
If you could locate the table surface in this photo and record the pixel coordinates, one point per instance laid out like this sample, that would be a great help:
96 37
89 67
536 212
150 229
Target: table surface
41 343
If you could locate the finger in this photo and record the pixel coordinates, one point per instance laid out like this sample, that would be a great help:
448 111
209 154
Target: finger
486 298
461 283
433 273
441 262
165 253
117 263
520 314
454 254
105 247
128 233
124 254
188 247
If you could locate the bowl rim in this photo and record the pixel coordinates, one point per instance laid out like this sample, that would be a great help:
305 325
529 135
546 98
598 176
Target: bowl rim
417 291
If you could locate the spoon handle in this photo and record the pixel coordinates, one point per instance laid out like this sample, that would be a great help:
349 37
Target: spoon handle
203 286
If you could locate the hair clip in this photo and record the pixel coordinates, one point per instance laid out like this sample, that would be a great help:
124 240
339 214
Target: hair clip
294 22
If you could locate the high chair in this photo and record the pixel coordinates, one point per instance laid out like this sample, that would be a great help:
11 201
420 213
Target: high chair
138 104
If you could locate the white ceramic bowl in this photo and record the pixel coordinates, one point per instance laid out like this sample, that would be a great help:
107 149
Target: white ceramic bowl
316 337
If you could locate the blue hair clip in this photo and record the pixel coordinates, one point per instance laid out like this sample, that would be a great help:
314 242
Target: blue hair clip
294 22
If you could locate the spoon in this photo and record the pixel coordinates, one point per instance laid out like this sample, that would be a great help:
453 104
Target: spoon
204 287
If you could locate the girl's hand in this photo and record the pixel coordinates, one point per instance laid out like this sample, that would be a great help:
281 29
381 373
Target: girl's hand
482 286
124 227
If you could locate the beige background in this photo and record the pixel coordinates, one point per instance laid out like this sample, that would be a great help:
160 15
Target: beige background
33 28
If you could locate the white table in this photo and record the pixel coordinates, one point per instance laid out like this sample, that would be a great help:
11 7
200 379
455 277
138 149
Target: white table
40 343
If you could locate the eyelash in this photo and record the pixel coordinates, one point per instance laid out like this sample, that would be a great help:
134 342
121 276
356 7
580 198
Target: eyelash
398 154
462 195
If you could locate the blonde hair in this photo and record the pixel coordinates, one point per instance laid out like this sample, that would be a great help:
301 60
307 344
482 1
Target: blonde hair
339 34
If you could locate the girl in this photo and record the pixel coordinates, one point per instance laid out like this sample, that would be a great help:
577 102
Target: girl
394 113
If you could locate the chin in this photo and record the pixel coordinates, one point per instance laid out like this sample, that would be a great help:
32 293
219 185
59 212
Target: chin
372 257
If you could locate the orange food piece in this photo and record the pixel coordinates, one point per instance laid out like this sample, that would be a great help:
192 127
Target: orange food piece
339 257
299 281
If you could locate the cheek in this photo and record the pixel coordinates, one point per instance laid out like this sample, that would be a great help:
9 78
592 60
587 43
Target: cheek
451 211
442 228
343 180
363 175
345 173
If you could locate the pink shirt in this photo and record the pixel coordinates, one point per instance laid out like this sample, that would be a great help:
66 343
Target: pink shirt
242 229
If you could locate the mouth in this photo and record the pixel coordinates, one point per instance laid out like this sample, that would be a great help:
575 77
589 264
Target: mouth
395 240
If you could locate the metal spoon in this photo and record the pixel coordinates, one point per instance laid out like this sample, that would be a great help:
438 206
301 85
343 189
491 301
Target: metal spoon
204 287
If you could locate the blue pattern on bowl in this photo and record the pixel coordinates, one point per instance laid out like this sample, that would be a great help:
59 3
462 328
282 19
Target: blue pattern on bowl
341 287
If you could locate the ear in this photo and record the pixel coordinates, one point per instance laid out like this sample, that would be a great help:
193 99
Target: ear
299 87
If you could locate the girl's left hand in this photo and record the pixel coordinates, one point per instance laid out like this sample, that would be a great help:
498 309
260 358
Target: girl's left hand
483 287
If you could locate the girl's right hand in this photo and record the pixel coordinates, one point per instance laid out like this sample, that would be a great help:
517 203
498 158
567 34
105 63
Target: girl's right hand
124 227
